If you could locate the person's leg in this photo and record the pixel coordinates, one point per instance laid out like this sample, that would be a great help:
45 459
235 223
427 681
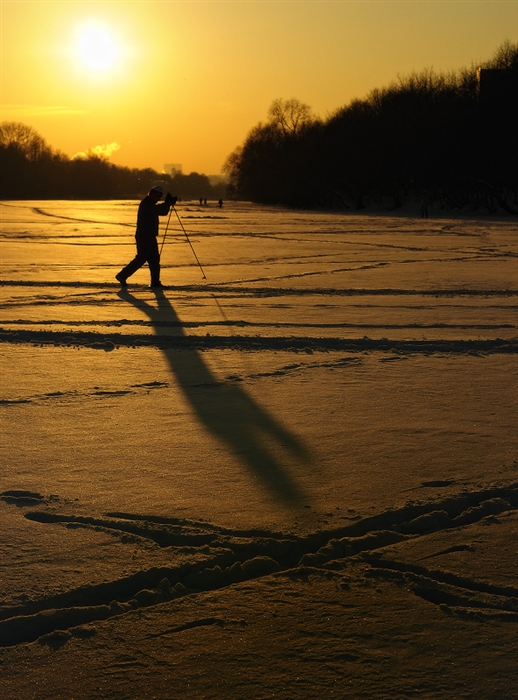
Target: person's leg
137 262
131 267
153 259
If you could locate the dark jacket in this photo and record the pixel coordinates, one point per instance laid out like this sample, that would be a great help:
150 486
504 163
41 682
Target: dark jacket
147 217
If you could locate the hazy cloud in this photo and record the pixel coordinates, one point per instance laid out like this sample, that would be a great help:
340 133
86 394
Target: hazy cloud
39 111
104 150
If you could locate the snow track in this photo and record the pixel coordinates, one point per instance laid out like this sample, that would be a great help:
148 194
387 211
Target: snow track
111 341
227 558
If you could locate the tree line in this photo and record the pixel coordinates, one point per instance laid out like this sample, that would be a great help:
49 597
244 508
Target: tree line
31 169
441 139
438 139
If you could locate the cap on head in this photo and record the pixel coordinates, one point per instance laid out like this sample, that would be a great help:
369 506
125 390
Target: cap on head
157 190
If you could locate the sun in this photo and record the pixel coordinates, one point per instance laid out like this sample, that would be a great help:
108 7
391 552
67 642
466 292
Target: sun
97 48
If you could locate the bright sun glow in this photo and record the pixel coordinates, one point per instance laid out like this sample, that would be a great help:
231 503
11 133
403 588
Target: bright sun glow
97 48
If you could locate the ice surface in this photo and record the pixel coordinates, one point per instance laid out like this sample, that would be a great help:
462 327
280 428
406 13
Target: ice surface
296 478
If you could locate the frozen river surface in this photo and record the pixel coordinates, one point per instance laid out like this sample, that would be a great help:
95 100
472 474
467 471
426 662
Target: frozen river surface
298 474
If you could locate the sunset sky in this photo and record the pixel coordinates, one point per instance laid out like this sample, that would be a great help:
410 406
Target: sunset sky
150 83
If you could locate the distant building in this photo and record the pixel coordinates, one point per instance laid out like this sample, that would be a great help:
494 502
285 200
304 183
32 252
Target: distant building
173 169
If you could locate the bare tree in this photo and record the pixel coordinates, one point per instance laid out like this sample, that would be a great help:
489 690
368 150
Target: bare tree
505 57
290 116
25 139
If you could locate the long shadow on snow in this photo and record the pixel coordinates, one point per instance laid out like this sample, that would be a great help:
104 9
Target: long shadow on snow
227 411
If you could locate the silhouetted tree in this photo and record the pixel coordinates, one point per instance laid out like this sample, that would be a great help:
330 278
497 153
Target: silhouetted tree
505 57
428 136
290 116
24 140
276 162
33 170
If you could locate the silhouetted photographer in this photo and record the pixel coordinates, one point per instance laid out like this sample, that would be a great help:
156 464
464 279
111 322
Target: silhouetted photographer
146 235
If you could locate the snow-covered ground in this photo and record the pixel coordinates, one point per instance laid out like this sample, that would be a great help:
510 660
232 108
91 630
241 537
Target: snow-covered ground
296 478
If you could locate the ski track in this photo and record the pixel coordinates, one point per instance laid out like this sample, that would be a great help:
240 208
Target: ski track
100 336
312 336
112 341
257 324
99 393
230 289
224 557
215 557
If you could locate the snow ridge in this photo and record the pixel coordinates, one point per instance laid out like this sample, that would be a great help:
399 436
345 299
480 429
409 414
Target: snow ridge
112 341
221 557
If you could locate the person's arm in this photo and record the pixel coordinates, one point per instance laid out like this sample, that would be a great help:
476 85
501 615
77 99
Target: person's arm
164 207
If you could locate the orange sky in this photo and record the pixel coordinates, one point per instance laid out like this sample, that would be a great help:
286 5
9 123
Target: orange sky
184 82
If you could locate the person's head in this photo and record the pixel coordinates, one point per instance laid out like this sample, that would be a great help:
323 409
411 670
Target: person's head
156 192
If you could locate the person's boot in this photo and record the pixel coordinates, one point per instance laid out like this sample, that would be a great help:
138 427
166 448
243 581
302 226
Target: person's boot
119 277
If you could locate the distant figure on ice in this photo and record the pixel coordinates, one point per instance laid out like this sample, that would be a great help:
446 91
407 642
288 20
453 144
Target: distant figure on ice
146 236
220 203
